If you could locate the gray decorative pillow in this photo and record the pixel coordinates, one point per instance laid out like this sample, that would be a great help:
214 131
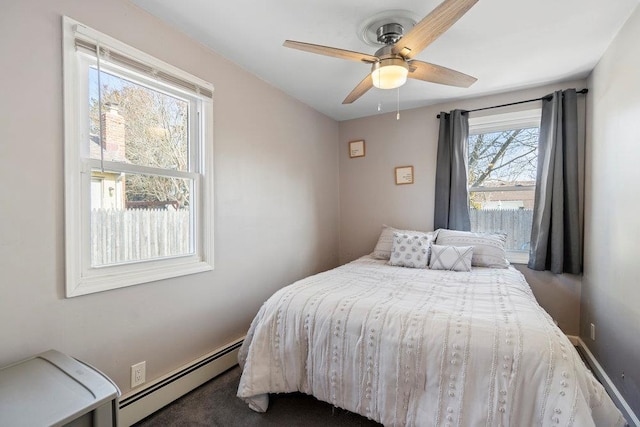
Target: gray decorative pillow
452 258
488 248
385 241
410 249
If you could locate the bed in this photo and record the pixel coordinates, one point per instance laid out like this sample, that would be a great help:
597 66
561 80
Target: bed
421 347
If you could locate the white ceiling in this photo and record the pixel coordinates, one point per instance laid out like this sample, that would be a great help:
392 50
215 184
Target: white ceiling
506 44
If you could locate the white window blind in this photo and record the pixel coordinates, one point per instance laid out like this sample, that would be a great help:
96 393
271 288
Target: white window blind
84 41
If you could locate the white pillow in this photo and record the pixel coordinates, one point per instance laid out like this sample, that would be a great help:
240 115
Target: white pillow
410 249
488 248
384 246
453 258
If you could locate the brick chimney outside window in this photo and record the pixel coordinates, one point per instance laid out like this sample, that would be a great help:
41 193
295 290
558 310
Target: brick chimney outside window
113 134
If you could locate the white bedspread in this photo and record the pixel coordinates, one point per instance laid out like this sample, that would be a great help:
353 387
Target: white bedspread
419 347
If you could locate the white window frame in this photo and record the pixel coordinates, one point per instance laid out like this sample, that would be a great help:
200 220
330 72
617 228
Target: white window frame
522 119
81 277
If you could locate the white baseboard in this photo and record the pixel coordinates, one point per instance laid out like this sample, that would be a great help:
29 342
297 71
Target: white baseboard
142 402
613 391
574 339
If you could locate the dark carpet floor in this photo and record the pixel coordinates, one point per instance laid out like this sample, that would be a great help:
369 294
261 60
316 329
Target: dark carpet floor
215 404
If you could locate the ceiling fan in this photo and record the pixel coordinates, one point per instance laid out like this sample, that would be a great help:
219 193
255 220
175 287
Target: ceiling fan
393 63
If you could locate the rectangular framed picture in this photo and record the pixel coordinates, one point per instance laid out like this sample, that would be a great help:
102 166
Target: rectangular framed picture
356 148
404 175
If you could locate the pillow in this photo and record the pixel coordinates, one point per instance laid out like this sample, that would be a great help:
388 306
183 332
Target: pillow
385 243
384 246
452 258
488 248
410 249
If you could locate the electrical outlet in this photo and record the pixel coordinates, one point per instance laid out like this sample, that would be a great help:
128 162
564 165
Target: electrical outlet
593 332
138 373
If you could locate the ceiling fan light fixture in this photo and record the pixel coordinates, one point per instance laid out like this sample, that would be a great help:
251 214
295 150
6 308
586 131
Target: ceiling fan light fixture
389 73
394 62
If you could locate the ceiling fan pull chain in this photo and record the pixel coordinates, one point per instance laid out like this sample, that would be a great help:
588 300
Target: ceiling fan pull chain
398 104
379 102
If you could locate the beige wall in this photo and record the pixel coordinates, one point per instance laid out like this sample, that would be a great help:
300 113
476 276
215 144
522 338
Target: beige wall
611 284
276 195
370 198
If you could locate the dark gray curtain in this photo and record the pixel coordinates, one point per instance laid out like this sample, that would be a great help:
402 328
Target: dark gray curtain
452 195
555 234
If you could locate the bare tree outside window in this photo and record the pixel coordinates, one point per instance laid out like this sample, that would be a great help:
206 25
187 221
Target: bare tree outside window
502 178
155 135
505 158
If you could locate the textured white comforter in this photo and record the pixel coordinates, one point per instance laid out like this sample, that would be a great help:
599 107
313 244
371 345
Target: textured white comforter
420 347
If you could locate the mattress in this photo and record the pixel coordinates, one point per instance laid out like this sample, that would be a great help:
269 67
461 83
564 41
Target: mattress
420 347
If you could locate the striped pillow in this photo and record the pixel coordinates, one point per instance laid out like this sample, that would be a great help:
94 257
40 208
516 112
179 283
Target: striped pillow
488 248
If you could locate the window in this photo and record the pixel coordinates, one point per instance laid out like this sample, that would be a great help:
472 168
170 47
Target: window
503 158
138 165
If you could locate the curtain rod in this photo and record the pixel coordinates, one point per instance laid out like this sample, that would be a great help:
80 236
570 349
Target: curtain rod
581 91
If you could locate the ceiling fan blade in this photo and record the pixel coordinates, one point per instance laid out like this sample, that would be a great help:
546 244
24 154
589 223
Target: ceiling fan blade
331 51
359 90
420 70
431 27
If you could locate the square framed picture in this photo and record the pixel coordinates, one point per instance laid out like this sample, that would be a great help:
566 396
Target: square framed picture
356 148
404 175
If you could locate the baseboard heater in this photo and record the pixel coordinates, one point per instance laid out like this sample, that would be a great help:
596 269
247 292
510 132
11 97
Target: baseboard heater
140 403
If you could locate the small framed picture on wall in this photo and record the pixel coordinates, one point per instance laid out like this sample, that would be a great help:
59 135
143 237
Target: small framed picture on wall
404 175
356 148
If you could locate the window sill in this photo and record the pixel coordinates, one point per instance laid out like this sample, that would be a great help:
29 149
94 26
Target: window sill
518 257
99 280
